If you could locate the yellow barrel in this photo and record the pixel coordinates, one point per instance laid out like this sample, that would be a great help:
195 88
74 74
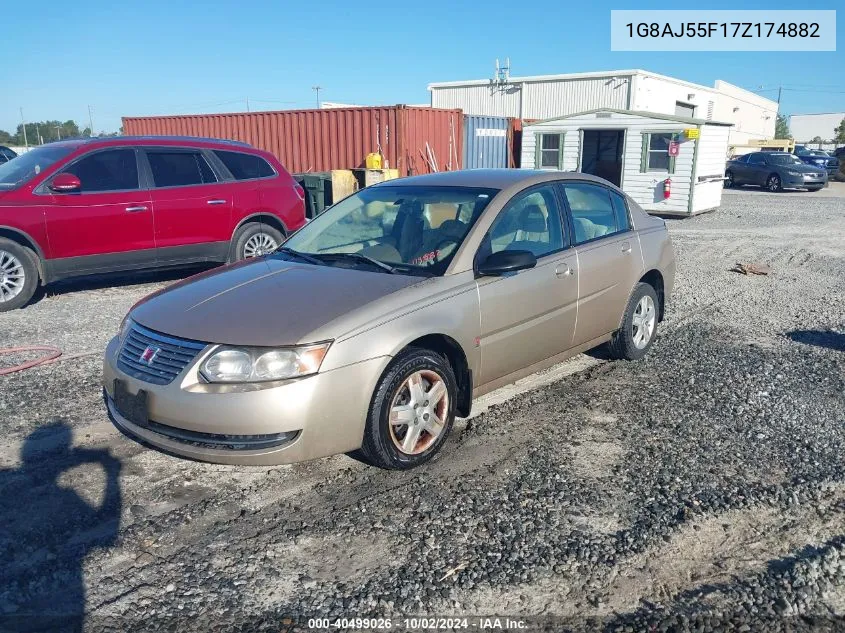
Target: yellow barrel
373 161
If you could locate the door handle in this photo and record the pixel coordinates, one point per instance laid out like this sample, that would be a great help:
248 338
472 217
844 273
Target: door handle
136 209
216 202
626 247
564 271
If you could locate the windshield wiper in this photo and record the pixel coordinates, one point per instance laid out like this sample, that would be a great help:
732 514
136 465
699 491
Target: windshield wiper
304 257
369 260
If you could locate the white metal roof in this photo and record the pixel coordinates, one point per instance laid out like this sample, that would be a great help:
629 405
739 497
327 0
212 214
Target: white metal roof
640 113
563 77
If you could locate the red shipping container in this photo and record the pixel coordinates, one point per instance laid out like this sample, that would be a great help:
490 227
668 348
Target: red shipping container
409 138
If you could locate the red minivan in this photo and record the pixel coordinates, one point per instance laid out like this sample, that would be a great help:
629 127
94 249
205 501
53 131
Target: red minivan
88 206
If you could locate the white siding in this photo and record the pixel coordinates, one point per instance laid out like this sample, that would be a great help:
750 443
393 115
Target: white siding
712 155
646 188
478 100
547 99
806 127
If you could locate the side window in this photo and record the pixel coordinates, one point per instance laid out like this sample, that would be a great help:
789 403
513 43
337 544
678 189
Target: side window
530 222
109 170
549 151
593 214
620 210
175 169
245 166
655 155
757 159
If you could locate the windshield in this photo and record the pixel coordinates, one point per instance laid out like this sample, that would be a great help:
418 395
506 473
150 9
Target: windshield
28 165
784 159
414 230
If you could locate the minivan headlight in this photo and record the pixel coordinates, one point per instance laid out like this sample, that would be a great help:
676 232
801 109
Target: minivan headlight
262 364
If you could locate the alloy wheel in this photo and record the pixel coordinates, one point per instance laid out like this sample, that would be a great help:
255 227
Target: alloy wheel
645 317
418 412
774 183
259 244
729 180
12 276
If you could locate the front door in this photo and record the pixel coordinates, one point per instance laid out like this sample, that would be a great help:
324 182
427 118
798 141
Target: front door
601 154
192 209
108 223
527 316
756 170
609 257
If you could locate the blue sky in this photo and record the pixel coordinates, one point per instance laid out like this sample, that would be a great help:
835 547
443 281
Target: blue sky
165 57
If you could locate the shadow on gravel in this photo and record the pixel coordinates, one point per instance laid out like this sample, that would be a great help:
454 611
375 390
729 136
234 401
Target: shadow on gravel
47 529
819 338
110 280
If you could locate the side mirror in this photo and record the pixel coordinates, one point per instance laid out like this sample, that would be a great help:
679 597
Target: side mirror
65 183
506 262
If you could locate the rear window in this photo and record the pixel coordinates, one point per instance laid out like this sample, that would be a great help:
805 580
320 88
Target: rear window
245 166
177 169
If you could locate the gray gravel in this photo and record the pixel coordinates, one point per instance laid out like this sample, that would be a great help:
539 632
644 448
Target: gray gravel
702 489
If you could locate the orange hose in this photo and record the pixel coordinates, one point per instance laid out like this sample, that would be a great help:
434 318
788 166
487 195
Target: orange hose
51 356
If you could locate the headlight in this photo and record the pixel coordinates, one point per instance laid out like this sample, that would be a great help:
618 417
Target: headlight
261 364
125 326
793 173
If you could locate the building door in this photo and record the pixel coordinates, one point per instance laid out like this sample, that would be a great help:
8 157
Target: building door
601 154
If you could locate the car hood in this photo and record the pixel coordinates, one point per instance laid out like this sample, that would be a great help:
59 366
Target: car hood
265 302
803 168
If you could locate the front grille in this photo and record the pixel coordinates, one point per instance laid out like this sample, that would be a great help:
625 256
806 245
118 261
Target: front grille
167 355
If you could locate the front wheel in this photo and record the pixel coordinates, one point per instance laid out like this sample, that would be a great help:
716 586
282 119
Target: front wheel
639 325
254 240
729 179
18 275
411 412
774 184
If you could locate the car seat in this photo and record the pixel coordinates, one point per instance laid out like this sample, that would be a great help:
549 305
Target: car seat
533 231
588 230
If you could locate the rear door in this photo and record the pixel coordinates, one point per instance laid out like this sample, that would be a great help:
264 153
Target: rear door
191 207
609 257
108 223
527 316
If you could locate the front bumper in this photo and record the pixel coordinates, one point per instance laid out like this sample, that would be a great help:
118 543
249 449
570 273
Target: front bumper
306 418
801 182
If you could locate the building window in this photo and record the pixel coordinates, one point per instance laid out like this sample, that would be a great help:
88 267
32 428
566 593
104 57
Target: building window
684 109
655 155
549 151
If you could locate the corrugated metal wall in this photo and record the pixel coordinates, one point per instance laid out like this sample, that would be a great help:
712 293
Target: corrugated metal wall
486 142
478 100
321 140
547 99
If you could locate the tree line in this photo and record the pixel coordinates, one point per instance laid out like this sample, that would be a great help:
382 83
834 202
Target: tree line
40 132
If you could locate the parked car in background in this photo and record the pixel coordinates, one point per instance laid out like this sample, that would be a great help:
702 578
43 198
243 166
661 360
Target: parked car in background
775 171
380 320
839 153
818 158
6 154
125 203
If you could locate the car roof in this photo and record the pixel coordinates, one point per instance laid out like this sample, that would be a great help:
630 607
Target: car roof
486 178
149 140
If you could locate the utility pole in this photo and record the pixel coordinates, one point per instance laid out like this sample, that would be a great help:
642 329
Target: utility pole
780 89
25 142
247 104
59 131
90 121
38 135
317 90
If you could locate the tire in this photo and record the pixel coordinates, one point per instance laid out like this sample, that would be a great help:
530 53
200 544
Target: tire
774 184
383 443
18 275
626 343
255 239
729 179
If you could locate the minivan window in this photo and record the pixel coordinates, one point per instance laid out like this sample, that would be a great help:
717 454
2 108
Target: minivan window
109 170
30 164
245 166
178 169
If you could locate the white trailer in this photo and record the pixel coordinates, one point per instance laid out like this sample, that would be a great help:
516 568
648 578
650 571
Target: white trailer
671 165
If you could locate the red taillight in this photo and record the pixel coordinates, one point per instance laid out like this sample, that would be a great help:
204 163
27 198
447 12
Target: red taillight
299 190
667 189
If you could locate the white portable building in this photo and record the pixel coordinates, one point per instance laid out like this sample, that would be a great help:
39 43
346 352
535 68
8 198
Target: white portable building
639 152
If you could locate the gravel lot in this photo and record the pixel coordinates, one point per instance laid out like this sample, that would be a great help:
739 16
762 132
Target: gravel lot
701 489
